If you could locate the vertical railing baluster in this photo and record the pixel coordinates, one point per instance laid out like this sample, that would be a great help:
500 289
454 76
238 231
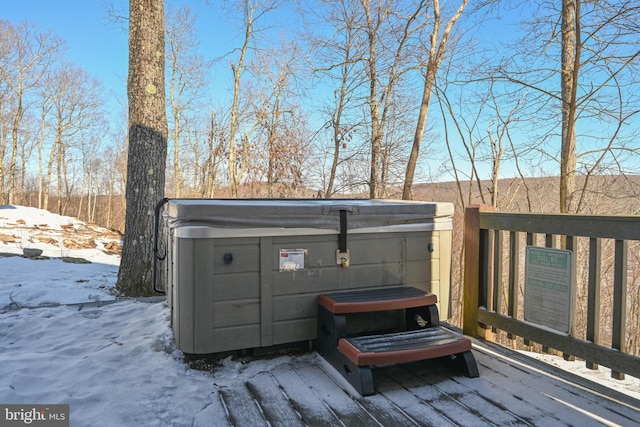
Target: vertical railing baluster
549 242
570 245
514 276
619 301
593 294
498 248
486 268
531 241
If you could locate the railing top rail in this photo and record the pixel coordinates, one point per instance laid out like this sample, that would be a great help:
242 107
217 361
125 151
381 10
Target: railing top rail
622 227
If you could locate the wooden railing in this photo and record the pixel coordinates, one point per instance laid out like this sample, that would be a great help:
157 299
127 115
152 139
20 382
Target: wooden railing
493 280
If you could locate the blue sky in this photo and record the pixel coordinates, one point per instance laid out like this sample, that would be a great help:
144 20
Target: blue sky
93 43
100 46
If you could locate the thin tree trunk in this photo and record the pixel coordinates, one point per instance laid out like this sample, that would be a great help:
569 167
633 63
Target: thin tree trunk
436 51
234 175
569 84
60 160
47 182
14 152
374 108
40 166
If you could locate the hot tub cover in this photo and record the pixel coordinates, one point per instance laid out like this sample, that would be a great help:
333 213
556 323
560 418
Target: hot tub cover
302 213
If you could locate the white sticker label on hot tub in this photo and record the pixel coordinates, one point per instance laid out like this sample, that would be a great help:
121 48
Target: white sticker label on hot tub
292 259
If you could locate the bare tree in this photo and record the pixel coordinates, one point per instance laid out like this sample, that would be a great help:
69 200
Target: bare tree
338 59
26 56
5 105
75 108
388 35
252 11
569 74
92 154
235 174
187 77
277 115
437 48
147 143
214 157
46 105
594 45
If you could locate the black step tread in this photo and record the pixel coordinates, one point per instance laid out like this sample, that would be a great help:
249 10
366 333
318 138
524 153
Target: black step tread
368 300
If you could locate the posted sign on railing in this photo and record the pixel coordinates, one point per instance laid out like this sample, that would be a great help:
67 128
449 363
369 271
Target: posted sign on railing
548 287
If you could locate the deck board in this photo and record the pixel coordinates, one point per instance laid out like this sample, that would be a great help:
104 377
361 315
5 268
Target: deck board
406 399
450 406
557 397
304 390
308 404
243 409
507 393
345 407
276 407
464 394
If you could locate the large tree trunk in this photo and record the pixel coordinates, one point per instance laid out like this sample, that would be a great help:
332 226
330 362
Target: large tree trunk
147 143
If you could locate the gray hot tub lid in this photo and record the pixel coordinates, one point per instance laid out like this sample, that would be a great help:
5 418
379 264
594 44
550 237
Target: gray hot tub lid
302 213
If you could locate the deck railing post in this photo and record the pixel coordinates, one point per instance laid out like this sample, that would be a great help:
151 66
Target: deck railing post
472 268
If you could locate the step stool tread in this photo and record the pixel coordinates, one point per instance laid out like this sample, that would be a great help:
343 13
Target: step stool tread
402 347
367 300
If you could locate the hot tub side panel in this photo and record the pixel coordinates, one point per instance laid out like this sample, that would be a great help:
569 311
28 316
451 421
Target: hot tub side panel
216 306
374 262
377 260
231 293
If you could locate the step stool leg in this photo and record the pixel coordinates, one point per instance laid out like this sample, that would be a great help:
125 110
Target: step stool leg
434 316
467 362
330 329
428 317
360 377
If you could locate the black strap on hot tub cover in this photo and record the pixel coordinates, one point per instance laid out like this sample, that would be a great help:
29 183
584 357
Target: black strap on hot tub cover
342 239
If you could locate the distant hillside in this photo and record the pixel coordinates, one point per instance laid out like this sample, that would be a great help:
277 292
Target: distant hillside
603 194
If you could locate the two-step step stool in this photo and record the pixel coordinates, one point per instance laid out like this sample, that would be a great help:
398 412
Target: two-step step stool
344 340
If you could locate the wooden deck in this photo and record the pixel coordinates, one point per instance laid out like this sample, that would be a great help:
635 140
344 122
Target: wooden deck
512 390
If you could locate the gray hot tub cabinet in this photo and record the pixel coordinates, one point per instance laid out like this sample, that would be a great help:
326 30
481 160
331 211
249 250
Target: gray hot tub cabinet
246 273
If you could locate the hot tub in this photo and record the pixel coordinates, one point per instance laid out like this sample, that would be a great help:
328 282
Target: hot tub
246 273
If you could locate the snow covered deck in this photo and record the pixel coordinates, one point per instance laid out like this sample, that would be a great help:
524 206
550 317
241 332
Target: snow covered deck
118 365
512 390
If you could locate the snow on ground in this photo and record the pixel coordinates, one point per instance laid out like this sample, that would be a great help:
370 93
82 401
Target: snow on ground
29 283
114 364
50 281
